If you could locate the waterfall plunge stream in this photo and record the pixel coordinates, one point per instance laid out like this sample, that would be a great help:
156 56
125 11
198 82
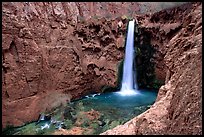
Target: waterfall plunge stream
129 86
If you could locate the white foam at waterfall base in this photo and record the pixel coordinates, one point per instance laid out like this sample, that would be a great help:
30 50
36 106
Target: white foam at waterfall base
126 91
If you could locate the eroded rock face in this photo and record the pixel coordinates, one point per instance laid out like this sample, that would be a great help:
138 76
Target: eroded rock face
44 54
177 110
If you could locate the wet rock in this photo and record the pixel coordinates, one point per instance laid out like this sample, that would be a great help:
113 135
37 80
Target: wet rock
101 123
43 117
68 113
59 125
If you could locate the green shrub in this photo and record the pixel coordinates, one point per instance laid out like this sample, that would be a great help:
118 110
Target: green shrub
68 123
114 124
8 130
86 122
94 125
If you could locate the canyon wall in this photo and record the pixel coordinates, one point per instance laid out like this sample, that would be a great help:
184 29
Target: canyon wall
56 51
177 35
48 59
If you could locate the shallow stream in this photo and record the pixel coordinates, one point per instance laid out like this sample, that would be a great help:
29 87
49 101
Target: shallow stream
92 114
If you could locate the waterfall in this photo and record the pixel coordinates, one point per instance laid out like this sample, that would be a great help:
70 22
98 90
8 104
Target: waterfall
129 84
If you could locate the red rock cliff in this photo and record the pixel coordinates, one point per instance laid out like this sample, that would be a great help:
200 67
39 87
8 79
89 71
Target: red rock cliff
48 59
177 33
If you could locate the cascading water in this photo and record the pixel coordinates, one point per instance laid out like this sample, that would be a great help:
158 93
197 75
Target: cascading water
129 87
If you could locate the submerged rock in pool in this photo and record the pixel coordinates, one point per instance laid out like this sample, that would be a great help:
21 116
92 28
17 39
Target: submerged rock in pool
68 113
43 117
101 123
